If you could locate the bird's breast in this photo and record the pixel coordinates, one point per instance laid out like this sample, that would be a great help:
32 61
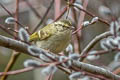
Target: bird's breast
57 42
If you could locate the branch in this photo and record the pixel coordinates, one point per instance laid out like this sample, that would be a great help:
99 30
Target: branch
22 47
93 43
17 71
13 44
21 25
22 70
43 18
63 11
57 5
90 14
15 54
32 8
96 70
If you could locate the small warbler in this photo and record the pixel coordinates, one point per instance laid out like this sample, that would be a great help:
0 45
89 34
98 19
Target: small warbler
54 37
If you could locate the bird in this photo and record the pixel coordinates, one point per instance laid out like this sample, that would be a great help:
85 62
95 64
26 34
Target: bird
54 37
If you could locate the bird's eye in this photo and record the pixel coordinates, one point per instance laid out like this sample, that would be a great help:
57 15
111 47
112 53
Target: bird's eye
66 26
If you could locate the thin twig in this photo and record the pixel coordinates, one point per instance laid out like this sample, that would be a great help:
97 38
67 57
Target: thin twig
15 54
93 42
22 47
63 11
49 77
6 30
61 14
90 14
57 5
116 71
12 30
17 71
6 9
32 8
31 68
45 15
9 13
76 37
23 70
21 25
9 65
80 21
74 15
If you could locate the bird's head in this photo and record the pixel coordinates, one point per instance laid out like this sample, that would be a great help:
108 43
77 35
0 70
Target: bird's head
65 24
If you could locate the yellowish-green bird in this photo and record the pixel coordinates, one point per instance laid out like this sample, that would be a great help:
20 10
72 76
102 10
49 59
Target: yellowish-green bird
54 37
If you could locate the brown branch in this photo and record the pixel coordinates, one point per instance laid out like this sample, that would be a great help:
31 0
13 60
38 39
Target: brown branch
61 14
93 43
6 30
15 54
22 47
79 25
17 71
32 8
6 9
31 68
57 5
91 14
10 64
23 70
43 18
96 70
21 25
116 71
63 11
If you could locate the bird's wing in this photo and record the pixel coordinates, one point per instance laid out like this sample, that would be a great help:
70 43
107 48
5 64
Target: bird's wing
34 37
46 32
43 33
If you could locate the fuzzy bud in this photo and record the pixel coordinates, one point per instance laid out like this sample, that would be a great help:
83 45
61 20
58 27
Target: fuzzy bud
74 56
111 42
44 58
114 28
51 69
31 63
34 50
86 23
104 45
117 41
23 35
78 5
66 64
91 56
95 19
117 57
69 49
10 20
75 75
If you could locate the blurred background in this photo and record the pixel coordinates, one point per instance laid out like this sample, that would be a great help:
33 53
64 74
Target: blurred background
29 18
